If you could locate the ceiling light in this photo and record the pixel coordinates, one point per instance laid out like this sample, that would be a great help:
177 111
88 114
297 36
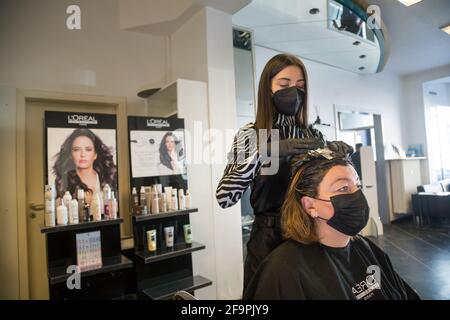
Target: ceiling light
446 29
314 11
409 2
362 56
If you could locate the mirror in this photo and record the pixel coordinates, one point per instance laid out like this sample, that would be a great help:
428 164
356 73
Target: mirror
324 31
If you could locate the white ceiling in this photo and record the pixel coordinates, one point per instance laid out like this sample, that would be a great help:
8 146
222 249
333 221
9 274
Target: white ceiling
287 26
417 43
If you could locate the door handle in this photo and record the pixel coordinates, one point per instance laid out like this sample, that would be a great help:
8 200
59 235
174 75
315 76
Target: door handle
32 215
37 207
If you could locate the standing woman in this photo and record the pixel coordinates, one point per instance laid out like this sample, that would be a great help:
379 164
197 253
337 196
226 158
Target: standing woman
282 105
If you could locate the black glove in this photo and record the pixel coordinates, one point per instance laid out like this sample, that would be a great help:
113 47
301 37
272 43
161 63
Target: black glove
340 147
289 147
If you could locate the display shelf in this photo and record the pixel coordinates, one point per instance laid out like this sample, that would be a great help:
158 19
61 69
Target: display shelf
153 216
81 225
165 253
167 290
59 274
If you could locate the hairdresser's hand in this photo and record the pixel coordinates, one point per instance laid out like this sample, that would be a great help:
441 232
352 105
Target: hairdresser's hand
290 147
340 147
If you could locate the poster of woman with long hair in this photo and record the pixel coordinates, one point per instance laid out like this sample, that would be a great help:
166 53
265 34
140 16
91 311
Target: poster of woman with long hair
157 147
81 152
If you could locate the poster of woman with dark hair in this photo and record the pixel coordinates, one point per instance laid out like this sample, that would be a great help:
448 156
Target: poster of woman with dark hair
157 147
81 158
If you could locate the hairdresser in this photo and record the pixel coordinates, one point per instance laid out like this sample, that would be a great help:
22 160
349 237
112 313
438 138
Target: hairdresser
282 105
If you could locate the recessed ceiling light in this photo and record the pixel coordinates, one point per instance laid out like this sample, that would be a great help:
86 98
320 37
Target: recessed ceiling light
356 43
361 68
362 56
446 29
314 11
409 2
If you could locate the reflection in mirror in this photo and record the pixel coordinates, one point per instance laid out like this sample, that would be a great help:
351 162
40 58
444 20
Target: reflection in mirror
325 31
245 109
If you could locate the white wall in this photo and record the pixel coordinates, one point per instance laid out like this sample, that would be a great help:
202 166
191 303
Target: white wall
38 52
414 129
377 93
199 52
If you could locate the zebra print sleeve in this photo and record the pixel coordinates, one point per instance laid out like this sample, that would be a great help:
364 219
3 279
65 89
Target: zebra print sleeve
244 163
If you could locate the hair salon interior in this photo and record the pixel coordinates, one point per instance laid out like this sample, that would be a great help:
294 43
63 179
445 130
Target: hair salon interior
378 79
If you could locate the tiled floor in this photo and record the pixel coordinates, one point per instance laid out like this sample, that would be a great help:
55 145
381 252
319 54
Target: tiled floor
421 256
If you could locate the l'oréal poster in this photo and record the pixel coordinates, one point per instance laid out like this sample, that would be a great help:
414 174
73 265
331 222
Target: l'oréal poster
156 147
81 151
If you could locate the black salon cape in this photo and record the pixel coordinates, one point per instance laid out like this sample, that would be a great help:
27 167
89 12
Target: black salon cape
316 271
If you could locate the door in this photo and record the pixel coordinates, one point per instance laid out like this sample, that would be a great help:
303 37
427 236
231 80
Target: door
35 181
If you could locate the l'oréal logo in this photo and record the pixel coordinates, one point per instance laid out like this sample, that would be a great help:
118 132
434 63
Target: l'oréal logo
81 119
157 123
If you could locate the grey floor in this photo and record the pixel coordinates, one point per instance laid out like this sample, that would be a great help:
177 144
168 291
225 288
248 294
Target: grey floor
421 256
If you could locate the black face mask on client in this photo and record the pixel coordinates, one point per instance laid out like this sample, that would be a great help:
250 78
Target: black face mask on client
288 101
351 213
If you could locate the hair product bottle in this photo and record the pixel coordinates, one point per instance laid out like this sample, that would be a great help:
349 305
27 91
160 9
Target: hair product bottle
187 233
188 200
135 197
96 210
73 211
142 197
61 215
113 206
151 240
155 201
66 199
106 200
148 198
174 202
81 216
163 202
168 233
181 200
50 207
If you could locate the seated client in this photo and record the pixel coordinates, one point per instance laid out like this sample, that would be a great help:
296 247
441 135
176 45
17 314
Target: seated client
323 257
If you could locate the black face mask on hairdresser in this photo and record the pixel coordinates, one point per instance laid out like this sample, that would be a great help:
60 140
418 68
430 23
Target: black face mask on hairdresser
289 100
351 213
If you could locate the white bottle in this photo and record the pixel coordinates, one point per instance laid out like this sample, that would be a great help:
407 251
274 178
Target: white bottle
155 201
113 206
61 215
81 203
181 200
174 204
163 203
73 211
50 208
66 200
96 210
188 200
135 197
106 200
142 197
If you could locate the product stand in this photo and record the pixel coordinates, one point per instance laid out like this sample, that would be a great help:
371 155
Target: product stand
161 274
113 280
